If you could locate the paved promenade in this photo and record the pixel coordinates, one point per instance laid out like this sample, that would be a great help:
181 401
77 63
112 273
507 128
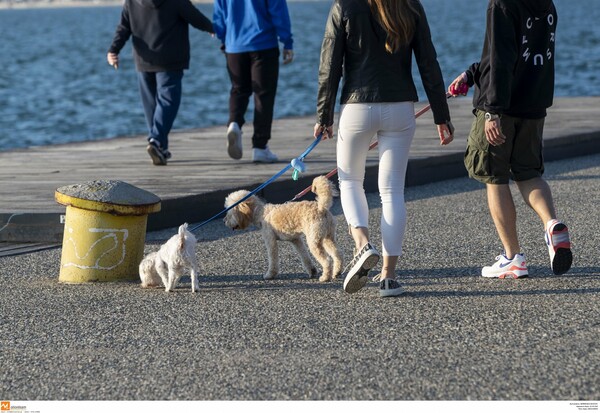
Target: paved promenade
194 184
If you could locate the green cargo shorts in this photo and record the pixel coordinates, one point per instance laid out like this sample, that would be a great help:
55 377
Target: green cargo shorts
519 158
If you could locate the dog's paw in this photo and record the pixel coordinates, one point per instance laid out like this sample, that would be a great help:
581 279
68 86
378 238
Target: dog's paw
313 273
324 278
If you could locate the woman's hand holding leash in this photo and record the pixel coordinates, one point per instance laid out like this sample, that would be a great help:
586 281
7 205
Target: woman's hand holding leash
327 131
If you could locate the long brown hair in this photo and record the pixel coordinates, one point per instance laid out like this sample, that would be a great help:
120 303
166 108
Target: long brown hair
398 18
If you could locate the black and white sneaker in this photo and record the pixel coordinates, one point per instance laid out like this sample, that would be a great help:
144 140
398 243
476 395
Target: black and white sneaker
358 275
156 153
389 287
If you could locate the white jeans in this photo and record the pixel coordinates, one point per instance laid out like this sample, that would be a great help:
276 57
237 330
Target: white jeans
394 124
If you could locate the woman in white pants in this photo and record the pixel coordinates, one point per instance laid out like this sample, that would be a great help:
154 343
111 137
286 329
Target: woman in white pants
372 42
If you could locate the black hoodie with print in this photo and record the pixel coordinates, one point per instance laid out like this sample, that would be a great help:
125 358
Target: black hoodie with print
159 32
516 73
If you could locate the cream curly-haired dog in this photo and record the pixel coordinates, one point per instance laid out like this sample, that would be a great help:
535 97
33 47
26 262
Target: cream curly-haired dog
287 222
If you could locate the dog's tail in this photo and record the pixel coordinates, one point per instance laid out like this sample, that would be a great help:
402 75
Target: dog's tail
182 230
325 190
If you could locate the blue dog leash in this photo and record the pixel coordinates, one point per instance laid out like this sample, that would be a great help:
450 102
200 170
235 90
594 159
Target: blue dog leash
296 163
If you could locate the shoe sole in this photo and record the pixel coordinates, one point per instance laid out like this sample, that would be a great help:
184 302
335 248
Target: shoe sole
507 274
360 276
234 147
264 160
157 157
392 293
563 258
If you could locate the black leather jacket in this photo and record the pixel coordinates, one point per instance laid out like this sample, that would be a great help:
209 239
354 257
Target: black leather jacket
354 42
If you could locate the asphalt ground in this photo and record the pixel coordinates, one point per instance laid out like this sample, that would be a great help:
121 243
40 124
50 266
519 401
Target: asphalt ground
454 336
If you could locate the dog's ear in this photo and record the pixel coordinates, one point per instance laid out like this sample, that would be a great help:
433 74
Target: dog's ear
247 207
246 212
244 221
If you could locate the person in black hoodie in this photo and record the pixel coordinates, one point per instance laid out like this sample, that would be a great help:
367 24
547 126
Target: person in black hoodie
161 49
514 85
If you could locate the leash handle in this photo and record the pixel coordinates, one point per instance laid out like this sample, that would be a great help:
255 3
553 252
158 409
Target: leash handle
314 143
373 145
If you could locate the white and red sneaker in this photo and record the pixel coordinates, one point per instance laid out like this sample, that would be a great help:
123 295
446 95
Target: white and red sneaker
506 268
559 246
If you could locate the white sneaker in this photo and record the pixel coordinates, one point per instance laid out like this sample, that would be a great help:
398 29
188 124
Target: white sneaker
505 268
559 247
234 141
263 155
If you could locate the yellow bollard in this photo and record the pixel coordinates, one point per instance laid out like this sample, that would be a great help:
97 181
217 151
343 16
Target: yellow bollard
105 230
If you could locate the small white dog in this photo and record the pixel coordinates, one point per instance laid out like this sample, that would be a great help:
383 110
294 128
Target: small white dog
167 265
287 222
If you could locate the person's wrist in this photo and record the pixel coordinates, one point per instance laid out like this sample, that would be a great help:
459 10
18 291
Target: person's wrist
491 116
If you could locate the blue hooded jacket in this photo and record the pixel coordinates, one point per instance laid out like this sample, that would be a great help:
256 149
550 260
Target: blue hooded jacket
252 25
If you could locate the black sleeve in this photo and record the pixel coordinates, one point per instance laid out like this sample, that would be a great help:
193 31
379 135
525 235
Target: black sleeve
429 68
330 67
472 73
122 33
503 56
194 17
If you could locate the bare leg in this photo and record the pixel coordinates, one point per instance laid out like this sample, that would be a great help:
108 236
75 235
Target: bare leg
388 270
360 235
504 214
538 196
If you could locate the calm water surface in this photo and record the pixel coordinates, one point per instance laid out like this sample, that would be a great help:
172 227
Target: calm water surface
56 86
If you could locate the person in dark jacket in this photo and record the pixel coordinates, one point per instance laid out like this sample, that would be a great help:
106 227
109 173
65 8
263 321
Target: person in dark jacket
514 85
372 42
161 49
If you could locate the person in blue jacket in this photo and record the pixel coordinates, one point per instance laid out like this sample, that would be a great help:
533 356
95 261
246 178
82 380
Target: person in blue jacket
161 49
249 31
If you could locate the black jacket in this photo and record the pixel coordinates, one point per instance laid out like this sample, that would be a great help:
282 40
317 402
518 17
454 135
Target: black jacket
516 73
354 43
159 31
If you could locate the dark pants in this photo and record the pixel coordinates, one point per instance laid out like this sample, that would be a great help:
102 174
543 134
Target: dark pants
254 72
161 96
